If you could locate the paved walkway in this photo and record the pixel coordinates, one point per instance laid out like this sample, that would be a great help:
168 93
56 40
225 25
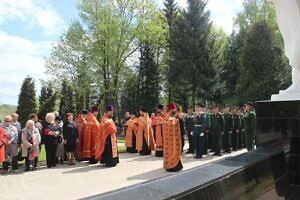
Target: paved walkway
84 180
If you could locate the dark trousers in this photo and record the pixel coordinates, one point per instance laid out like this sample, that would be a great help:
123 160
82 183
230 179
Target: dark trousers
227 141
205 149
51 154
236 139
217 140
242 142
191 142
199 144
27 163
15 160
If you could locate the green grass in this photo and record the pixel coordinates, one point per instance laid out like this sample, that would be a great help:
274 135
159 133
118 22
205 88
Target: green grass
42 156
121 139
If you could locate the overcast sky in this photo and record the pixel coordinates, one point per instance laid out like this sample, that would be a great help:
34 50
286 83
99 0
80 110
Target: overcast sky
29 28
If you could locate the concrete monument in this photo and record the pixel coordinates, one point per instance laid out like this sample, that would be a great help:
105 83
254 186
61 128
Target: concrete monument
288 17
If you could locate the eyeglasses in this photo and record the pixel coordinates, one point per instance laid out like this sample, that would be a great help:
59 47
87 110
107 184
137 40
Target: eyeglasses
7 121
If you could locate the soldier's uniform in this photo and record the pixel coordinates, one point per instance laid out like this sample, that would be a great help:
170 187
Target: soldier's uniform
217 130
250 129
228 119
237 124
207 135
198 133
242 142
189 127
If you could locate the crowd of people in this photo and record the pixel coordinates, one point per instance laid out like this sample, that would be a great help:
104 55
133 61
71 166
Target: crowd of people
208 130
87 139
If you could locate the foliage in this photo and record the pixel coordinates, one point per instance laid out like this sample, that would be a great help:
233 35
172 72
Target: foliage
148 79
191 73
27 100
47 100
67 100
262 69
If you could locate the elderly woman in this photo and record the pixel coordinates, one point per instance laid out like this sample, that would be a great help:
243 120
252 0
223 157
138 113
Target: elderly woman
30 144
11 149
51 132
70 138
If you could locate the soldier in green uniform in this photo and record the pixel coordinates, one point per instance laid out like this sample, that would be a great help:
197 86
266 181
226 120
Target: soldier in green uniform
228 119
217 129
250 126
242 142
189 126
237 124
207 143
199 129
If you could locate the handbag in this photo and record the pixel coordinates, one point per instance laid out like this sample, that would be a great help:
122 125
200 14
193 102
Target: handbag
59 139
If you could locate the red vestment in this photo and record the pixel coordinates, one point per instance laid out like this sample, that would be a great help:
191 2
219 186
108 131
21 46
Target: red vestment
80 124
131 128
91 130
144 132
107 128
3 139
172 144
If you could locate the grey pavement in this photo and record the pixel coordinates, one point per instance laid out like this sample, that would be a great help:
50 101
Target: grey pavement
84 180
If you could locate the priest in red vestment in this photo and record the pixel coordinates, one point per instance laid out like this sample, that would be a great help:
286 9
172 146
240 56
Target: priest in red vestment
106 144
131 131
80 124
144 137
91 130
172 141
157 125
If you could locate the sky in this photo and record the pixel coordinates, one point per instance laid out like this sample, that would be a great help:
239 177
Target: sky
29 29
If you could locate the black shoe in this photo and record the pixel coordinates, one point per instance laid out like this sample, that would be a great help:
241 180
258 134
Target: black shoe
189 151
219 154
26 169
197 157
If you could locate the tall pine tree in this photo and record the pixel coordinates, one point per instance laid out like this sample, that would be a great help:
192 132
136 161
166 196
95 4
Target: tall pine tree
171 13
47 100
231 69
27 100
148 90
67 100
263 72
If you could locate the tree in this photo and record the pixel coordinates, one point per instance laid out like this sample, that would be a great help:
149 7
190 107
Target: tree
67 100
69 61
231 69
147 91
129 91
27 100
101 45
47 100
170 13
263 73
218 41
191 71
